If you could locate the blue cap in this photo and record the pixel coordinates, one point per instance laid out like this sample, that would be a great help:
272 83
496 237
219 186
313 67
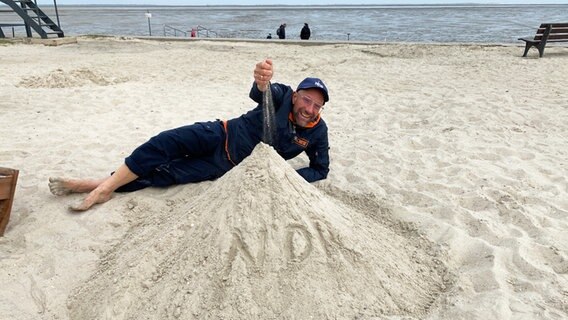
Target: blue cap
316 83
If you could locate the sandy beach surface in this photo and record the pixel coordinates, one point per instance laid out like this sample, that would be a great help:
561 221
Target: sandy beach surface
447 196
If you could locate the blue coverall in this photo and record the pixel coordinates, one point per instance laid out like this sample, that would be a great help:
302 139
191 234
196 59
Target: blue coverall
207 150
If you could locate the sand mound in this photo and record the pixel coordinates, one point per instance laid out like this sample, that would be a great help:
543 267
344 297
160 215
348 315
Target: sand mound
66 79
263 243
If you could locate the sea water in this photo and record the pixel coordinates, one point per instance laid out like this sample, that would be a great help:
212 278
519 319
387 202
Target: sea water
384 23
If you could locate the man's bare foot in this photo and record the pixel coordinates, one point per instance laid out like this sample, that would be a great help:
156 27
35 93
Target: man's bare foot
61 186
94 197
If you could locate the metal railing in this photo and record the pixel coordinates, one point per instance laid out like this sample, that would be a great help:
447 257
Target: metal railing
202 30
171 31
199 31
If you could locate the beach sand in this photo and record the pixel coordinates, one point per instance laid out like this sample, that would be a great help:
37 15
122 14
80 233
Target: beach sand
447 196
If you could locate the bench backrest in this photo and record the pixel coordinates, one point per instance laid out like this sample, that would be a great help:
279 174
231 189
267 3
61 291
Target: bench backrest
553 32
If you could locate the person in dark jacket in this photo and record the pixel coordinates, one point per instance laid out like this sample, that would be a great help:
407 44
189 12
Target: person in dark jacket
306 32
281 32
207 150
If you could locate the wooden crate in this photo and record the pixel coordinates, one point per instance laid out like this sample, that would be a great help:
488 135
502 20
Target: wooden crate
8 180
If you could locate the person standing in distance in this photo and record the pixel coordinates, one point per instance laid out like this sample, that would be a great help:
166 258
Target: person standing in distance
306 32
281 32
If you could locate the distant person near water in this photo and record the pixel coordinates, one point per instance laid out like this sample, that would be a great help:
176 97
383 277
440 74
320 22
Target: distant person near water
269 36
306 32
281 31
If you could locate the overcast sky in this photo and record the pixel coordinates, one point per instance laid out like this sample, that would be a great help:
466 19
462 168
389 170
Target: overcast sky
294 2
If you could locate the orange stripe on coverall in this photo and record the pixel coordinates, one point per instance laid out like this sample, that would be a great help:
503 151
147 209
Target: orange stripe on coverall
227 142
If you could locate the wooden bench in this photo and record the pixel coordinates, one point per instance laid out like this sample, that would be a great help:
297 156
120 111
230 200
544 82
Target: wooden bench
8 180
547 32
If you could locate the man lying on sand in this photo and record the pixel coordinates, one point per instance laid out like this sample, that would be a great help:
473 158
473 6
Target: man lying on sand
207 150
